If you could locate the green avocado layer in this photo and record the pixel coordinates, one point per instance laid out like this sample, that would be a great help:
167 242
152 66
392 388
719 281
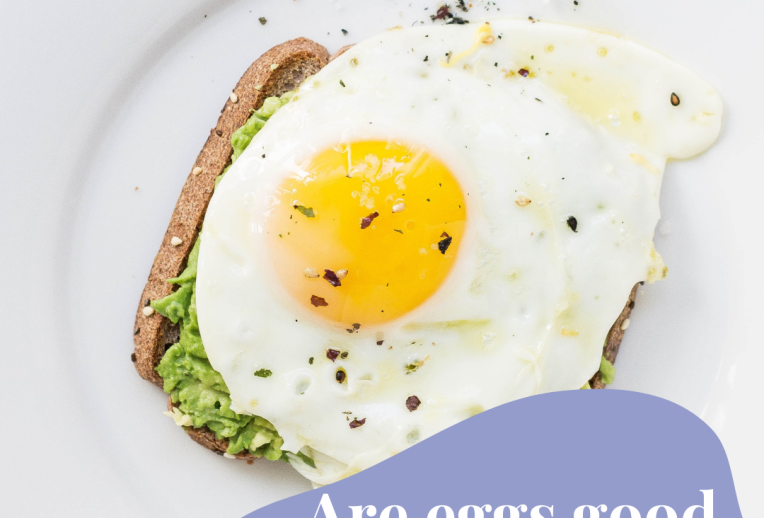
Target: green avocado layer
188 376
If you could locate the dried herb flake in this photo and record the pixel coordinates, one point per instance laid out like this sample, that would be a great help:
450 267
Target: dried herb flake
308 212
263 373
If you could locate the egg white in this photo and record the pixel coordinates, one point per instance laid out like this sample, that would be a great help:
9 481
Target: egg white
529 302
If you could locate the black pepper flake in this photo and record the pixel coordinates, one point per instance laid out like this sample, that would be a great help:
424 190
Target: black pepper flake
365 222
340 376
461 5
146 302
318 301
573 223
575 2
412 403
308 212
427 58
137 330
133 358
330 276
380 342
310 360
342 83
218 133
523 72
457 21
262 20
355 423
444 243
332 354
344 32
674 99
399 231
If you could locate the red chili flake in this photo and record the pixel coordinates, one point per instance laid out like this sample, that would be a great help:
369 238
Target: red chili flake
444 234
523 72
355 423
412 403
330 276
444 243
380 342
365 222
332 354
318 301
441 14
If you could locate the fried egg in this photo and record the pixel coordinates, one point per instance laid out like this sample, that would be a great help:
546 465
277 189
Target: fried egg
442 220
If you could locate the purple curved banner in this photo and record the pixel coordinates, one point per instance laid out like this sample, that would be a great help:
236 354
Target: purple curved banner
578 454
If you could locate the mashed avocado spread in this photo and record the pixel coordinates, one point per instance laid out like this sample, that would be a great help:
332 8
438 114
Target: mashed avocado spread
188 376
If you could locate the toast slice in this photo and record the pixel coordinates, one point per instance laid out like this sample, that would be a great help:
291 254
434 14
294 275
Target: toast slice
279 70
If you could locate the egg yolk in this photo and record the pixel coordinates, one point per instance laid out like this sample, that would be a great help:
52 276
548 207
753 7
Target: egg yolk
365 232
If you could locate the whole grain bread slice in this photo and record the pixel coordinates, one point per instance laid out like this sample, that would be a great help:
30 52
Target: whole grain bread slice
279 70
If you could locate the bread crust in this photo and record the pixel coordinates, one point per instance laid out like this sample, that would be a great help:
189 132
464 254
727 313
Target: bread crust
614 337
154 334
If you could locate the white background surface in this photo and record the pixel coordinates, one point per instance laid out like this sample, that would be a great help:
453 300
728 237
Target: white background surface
98 98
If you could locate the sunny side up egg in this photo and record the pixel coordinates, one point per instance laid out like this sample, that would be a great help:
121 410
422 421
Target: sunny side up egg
442 220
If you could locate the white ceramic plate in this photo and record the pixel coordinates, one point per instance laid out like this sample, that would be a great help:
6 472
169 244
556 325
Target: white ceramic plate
104 108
